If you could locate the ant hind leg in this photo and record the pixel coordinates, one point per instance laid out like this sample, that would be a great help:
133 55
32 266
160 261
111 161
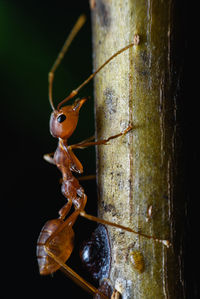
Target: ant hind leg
69 272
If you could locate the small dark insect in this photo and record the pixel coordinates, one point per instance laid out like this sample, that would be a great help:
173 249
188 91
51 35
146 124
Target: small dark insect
56 240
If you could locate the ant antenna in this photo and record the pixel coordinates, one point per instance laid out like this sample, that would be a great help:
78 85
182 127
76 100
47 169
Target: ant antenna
74 92
80 22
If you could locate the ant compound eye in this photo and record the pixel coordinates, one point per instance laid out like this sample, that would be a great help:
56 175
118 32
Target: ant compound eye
61 118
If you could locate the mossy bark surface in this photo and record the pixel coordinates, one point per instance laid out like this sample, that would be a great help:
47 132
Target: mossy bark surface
139 174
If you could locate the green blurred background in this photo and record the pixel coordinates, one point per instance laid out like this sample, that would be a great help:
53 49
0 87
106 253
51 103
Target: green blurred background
31 35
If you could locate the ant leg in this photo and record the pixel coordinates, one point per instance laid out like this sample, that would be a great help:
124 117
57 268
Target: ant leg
67 270
87 140
82 145
75 277
65 210
49 158
87 177
83 178
69 221
105 222
63 224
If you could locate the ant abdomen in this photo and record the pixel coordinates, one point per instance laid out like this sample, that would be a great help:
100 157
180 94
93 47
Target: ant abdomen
60 245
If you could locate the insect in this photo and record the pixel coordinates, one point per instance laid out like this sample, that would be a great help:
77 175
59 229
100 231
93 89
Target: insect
56 240
137 260
95 253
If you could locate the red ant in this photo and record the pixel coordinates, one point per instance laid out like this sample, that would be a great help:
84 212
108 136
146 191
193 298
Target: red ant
56 241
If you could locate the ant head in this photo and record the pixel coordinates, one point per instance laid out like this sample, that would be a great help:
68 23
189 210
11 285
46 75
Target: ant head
63 121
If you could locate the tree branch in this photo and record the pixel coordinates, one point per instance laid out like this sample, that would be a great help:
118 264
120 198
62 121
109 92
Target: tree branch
139 174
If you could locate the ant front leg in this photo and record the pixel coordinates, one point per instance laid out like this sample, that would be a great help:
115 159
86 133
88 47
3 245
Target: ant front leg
82 145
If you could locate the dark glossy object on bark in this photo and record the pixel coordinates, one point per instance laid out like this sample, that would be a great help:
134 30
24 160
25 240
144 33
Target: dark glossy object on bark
95 253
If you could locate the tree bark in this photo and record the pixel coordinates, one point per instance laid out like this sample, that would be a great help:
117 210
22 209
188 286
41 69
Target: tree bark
140 174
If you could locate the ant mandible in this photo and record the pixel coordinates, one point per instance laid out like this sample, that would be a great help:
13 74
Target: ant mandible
56 240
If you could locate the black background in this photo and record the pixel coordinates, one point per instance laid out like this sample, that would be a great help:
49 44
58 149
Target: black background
31 34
